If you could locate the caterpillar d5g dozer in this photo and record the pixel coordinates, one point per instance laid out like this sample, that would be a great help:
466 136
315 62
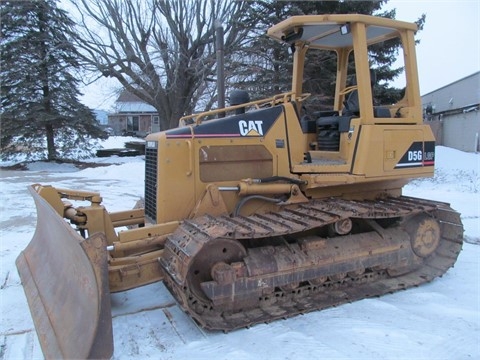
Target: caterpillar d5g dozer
258 215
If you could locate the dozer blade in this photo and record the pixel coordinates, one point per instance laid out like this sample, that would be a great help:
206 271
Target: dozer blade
65 278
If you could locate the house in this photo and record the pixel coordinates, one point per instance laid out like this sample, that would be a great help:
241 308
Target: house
453 112
133 116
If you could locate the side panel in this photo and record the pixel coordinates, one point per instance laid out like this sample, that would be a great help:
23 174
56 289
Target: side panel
395 151
169 178
181 162
219 163
256 147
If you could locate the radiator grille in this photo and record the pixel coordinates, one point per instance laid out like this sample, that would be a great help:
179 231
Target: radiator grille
151 157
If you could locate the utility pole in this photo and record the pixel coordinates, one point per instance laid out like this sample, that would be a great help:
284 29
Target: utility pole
219 46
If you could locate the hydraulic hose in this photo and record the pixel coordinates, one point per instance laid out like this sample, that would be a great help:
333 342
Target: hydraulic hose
242 202
281 178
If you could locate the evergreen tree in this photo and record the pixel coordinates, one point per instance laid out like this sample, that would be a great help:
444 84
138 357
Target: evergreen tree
268 69
41 115
262 66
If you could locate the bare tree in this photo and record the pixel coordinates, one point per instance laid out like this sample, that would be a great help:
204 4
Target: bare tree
160 50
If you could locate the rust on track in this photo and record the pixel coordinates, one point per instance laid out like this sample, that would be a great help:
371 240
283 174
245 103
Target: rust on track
230 273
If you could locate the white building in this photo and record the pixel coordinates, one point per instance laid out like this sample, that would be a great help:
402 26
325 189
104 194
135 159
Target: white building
454 113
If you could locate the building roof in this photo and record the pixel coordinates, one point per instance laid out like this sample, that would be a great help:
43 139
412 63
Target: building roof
127 96
130 103
134 107
459 94
473 76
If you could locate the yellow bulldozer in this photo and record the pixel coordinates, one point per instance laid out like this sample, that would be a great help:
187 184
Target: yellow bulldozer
258 211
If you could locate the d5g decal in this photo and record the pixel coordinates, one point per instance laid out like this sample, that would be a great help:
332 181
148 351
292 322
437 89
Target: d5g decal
418 154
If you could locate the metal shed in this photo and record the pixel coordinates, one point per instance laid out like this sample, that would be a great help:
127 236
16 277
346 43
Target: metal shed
453 113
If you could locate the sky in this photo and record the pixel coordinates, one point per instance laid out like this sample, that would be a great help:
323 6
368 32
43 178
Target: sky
449 47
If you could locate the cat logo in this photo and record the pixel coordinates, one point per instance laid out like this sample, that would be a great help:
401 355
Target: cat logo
251 127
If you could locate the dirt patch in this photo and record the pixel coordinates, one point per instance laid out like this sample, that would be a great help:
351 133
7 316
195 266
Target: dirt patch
19 166
78 164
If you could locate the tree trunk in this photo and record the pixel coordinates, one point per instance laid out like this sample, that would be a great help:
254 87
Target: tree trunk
52 153
44 74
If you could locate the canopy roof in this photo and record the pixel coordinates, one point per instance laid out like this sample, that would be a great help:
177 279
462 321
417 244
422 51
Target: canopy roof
324 31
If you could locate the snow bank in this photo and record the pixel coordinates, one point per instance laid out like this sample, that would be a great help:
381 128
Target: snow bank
113 142
440 320
456 181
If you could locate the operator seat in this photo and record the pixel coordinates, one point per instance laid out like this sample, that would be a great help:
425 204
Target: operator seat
351 104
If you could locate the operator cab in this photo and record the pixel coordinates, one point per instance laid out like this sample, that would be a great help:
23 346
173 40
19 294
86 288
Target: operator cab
333 127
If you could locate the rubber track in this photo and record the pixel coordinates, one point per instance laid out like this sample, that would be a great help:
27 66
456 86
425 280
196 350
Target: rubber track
318 213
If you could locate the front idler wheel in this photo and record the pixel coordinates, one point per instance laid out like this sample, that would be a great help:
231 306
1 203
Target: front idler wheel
424 234
214 257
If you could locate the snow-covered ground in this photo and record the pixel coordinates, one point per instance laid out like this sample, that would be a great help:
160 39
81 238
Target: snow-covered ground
440 320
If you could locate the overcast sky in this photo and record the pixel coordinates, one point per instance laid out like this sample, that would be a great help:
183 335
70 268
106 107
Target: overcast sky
449 46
